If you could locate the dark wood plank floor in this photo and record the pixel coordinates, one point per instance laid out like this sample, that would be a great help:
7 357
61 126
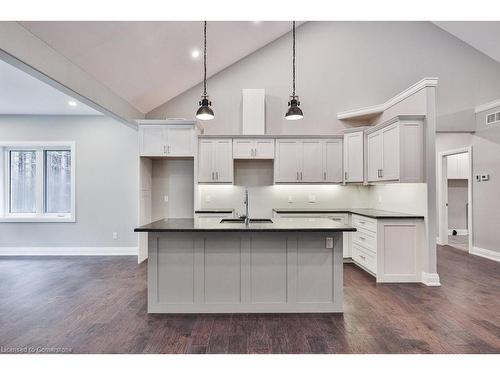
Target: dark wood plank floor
98 305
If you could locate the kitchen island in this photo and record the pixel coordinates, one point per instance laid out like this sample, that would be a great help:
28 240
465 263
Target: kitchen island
209 265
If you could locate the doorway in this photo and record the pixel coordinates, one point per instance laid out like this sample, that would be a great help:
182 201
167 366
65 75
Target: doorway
455 198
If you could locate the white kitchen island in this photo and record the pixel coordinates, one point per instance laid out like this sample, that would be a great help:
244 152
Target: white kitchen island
209 266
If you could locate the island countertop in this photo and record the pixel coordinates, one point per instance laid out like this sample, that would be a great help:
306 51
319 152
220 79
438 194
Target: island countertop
368 212
215 225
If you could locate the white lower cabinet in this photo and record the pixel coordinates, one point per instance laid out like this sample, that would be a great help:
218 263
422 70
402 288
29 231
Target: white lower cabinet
388 248
308 161
215 160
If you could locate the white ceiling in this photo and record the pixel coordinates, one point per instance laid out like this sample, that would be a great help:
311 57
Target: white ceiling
22 94
148 63
482 35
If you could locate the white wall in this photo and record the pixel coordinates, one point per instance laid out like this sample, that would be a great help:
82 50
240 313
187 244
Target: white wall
106 182
346 65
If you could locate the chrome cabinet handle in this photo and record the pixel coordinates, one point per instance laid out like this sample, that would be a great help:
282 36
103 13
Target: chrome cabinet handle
213 176
362 257
324 175
300 176
297 176
168 149
217 176
381 173
345 176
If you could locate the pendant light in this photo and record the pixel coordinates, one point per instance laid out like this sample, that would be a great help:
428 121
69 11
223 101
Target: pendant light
294 112
205 112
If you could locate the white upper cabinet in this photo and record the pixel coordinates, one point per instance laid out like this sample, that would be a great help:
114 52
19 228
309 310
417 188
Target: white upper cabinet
246 148
167 140
308 160
395 152
215 160
287 163
332 160
458 166
354 157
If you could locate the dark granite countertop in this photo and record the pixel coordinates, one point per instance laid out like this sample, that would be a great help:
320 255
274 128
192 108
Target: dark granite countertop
214 211
215 225
368 212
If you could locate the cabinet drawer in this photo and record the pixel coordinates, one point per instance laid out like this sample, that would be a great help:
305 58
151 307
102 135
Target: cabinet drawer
364 223
366 239
364 258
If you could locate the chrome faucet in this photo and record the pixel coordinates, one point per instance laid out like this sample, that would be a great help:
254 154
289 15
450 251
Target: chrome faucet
247 217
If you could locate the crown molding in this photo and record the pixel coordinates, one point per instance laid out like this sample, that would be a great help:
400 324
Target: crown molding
487 106
372 111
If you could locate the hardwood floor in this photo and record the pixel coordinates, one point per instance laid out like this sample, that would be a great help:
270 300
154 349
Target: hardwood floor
98 305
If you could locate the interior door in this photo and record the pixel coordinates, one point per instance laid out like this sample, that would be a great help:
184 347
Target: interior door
286 165
243 148
312 161
374 145
223 160
332 156
353 157
180 140
390 152
206 160
152 141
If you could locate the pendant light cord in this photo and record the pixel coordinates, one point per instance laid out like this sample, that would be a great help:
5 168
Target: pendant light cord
293 59
205 59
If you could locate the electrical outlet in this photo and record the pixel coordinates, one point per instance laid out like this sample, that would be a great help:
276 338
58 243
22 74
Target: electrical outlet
208 198
312 198
329 243
115 235
379 199
290 199
165 198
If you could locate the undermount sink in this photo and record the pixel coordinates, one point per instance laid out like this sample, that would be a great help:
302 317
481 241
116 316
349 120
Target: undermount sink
243 220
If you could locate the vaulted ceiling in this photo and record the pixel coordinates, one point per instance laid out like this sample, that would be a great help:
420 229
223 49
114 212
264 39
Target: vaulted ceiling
148 63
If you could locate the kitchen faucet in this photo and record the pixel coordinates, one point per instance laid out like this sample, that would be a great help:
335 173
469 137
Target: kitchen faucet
246 217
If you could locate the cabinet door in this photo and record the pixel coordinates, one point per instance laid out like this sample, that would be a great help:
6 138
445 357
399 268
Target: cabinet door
374 145
390 153
311 161
264 149
463 165
223 160
180 140
286 165
152 141
206 160
353 157
332 160
243 148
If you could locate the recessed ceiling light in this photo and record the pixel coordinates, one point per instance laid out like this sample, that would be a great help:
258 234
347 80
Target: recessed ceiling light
195 54
72 103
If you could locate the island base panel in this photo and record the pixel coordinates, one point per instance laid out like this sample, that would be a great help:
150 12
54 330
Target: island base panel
256 272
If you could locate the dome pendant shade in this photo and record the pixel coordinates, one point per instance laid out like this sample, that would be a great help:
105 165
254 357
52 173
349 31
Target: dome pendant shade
294 112
205 112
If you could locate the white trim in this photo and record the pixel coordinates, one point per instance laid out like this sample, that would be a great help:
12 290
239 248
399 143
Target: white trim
485 253
487 106
430 279
66 251
379 108
460 232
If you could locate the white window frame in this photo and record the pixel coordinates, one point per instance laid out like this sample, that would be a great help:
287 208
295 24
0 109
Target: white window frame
40 215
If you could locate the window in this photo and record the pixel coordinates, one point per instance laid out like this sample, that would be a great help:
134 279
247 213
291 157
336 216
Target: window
38 182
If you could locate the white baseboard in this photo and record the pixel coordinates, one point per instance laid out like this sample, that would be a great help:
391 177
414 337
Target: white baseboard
66 251
430 279
485 253
460 232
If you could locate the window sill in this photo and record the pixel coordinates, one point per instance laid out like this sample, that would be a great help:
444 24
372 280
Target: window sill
37 219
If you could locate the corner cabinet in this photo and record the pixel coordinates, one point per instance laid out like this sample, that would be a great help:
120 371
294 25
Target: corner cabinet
166 138
354 157
395 152
215 160
308 161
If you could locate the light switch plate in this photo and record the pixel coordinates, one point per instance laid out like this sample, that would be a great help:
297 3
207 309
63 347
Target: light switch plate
485 177
165 198
329 243
312 198
290 199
